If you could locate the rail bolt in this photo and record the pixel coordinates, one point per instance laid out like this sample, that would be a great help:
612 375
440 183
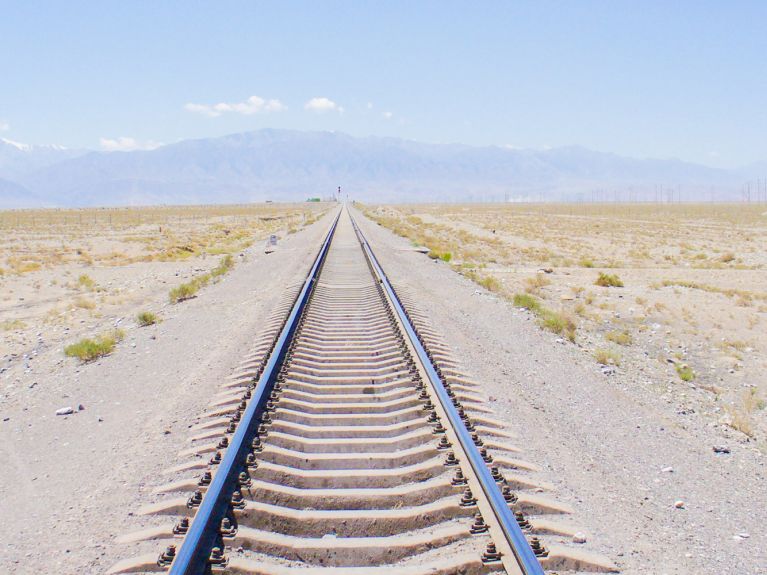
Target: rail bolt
217 557
216 459
523 523
491 554
223 444
256 444
243 479
250 461
167 556
195 499
508 495
468 500
458 478
237 501
486 457
181 526
450 459
477 439
479 525
496 474
538 549
227 529
205 479
443 443
439 428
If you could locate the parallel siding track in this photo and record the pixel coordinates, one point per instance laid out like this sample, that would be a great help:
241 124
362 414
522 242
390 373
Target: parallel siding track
345 446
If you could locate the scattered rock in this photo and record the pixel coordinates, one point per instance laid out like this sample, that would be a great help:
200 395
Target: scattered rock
721 449
608 369
80 407
65 411
668 470
679 504
579 538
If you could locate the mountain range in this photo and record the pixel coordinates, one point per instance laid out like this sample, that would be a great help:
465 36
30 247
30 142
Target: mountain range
283 165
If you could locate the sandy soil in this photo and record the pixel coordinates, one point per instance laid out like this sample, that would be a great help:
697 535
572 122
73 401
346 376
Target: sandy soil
69 483
622 454
688 323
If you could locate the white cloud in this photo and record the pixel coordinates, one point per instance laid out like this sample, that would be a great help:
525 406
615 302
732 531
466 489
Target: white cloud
370 105
388 115
323 105
4 126
252 105
124 144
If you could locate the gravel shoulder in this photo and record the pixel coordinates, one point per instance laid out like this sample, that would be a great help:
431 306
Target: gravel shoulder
619 453
70 483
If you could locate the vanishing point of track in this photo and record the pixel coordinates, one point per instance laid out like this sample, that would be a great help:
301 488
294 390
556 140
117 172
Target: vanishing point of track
343 446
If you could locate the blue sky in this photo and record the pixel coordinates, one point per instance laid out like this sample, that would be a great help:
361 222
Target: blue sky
642 78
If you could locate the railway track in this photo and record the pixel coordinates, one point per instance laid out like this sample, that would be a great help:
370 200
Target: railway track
350 443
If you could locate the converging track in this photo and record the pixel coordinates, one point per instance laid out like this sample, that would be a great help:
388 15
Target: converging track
348 443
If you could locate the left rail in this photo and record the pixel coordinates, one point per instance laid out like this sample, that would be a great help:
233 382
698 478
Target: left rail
193 556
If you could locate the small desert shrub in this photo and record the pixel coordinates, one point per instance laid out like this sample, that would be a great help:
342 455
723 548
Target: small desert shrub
527 301
489 283
183 292
224 266
619 337
90 349
146 318
86 282
557 322
607 356
436 255
11 324
608 280
535 283
85 303
586 263
727 258
685 372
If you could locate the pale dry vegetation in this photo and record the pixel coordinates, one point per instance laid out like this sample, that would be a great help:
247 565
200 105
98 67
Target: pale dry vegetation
657 281
65 270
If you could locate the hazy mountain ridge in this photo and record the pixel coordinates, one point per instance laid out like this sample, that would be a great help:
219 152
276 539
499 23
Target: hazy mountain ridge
291 165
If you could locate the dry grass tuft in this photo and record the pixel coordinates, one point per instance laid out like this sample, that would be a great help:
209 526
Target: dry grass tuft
91 349
146 318
607 356
608 280
619 337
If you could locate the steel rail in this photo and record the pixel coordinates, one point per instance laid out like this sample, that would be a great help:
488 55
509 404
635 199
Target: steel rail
523 553
192 558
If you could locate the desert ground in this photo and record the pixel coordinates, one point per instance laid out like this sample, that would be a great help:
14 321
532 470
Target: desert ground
687 318
72 274
659 449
